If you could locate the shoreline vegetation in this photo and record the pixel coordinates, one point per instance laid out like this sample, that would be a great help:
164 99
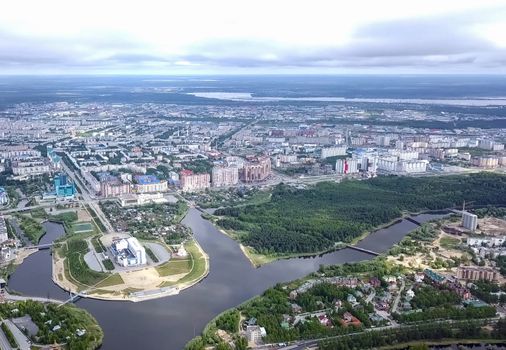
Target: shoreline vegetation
338 214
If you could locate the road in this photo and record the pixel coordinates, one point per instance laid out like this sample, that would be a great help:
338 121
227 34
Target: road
21 339
4 343
313 343
88 198
398 298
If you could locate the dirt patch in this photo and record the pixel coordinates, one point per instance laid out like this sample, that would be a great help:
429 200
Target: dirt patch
492 226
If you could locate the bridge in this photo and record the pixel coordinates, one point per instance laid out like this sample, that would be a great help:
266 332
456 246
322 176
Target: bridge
367 251
410 219
40 246
73 297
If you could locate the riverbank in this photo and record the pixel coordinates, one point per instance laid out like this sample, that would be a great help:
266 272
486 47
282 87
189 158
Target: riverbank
258 259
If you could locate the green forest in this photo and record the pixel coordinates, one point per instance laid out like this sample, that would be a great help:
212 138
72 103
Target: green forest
313 219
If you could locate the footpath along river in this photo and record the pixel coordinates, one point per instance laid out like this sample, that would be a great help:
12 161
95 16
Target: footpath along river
170 322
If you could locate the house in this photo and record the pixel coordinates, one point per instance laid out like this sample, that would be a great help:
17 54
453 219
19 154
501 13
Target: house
325 321
293 295
351 299
375 318
375 282
296 308
253 335
348 319
410 294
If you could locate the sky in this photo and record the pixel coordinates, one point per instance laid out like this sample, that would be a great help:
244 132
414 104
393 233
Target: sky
253 37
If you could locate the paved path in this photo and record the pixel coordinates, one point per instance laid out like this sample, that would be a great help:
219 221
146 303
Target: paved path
13 297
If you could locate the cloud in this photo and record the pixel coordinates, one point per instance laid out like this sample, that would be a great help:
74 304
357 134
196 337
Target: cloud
451 41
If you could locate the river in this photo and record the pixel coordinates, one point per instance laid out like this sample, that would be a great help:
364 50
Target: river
170 322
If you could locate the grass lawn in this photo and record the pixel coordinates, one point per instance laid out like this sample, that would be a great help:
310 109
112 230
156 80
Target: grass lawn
194 266
112 280
199 263
82 227
449 242
174 267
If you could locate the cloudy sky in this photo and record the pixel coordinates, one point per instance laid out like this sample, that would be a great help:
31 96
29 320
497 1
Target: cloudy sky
252 36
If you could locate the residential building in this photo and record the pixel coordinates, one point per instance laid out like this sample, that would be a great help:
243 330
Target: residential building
225 176
474 273
149 183
486 162
333 151
469 221
4 196
190 182
257 169
114 188
30 167
3 230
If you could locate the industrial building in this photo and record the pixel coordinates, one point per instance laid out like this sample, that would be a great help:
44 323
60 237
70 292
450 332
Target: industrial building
129 252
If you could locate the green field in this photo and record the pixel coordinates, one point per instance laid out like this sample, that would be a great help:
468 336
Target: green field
194 266
112 280
449 242
174 267
82 227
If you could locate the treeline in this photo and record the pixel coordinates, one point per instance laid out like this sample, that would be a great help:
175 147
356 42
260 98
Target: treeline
311 220
427 331
447 312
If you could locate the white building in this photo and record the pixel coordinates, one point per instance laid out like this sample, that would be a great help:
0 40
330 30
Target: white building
4 196
129 252
488 241
225 176
347 166
3 230
469 221
132 199
383 141
333 152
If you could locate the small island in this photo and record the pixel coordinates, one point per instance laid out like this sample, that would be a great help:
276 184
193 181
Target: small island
134 263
